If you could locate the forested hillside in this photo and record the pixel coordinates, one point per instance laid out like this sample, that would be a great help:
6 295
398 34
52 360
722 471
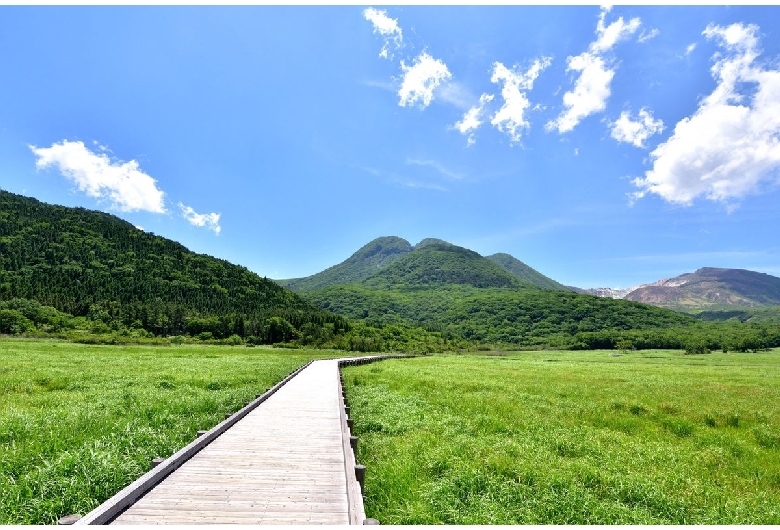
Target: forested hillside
455 292
441 263
366 261
492 315
432 261
91 264
525 273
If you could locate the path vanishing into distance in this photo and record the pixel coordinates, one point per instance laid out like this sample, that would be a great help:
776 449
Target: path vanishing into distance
285 458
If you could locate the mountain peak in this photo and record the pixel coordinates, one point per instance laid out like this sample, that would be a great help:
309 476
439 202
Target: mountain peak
707 287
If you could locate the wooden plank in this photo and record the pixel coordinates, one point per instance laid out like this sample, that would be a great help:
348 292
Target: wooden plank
282 463
286 462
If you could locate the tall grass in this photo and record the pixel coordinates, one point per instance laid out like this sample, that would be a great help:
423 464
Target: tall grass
78 422
570 438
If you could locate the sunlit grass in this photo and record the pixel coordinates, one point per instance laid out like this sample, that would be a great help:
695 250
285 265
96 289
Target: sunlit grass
570 437
78 423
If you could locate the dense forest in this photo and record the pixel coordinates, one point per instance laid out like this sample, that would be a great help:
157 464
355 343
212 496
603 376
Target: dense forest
93 265
89 276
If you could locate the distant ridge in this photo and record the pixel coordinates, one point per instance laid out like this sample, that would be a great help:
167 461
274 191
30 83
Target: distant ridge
708 287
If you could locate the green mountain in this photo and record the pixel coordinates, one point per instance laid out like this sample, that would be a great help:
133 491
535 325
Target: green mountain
88 263
453 290
367 261
525 273
393 261
440 263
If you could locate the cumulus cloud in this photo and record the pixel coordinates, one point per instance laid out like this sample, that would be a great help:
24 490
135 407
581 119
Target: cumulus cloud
729 147
592 87
387 27
631 131
421 79
472 119
510 118
123 183
209 220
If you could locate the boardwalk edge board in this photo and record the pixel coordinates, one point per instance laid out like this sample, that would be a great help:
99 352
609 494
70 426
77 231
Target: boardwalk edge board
114 506
357 514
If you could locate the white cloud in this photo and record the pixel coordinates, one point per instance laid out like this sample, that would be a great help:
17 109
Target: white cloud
123 183
421 79
387 27
647 35
510 118
729 147
625 129
690 49
592 88
472 119
209 220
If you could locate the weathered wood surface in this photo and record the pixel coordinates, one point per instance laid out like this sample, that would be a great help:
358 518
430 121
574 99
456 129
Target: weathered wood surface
283 463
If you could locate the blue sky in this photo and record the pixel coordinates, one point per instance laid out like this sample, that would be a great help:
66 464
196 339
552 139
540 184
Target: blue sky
603 147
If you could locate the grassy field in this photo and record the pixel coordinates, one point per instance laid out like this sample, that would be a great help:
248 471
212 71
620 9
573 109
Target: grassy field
570 437
78 422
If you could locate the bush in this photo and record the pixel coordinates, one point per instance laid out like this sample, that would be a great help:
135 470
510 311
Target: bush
13 322
696 347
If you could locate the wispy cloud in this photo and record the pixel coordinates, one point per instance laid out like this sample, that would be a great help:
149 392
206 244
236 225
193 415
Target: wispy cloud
386 27
404 181
455 94
472 119
690 48
510 118
626 129
123 183
437 166
647 35
729 147
592 88
421 79
209 220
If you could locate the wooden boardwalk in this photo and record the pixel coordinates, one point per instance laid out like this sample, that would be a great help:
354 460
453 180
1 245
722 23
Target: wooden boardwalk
287 461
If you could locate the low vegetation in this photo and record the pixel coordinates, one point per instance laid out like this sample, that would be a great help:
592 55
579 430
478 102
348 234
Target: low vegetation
80 422
570 438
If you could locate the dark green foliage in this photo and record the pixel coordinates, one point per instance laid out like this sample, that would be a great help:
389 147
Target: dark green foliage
500 315
525 273
94 265
13 322
742 314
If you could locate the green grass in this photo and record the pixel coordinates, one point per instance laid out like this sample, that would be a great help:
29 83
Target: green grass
570 438
78 422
